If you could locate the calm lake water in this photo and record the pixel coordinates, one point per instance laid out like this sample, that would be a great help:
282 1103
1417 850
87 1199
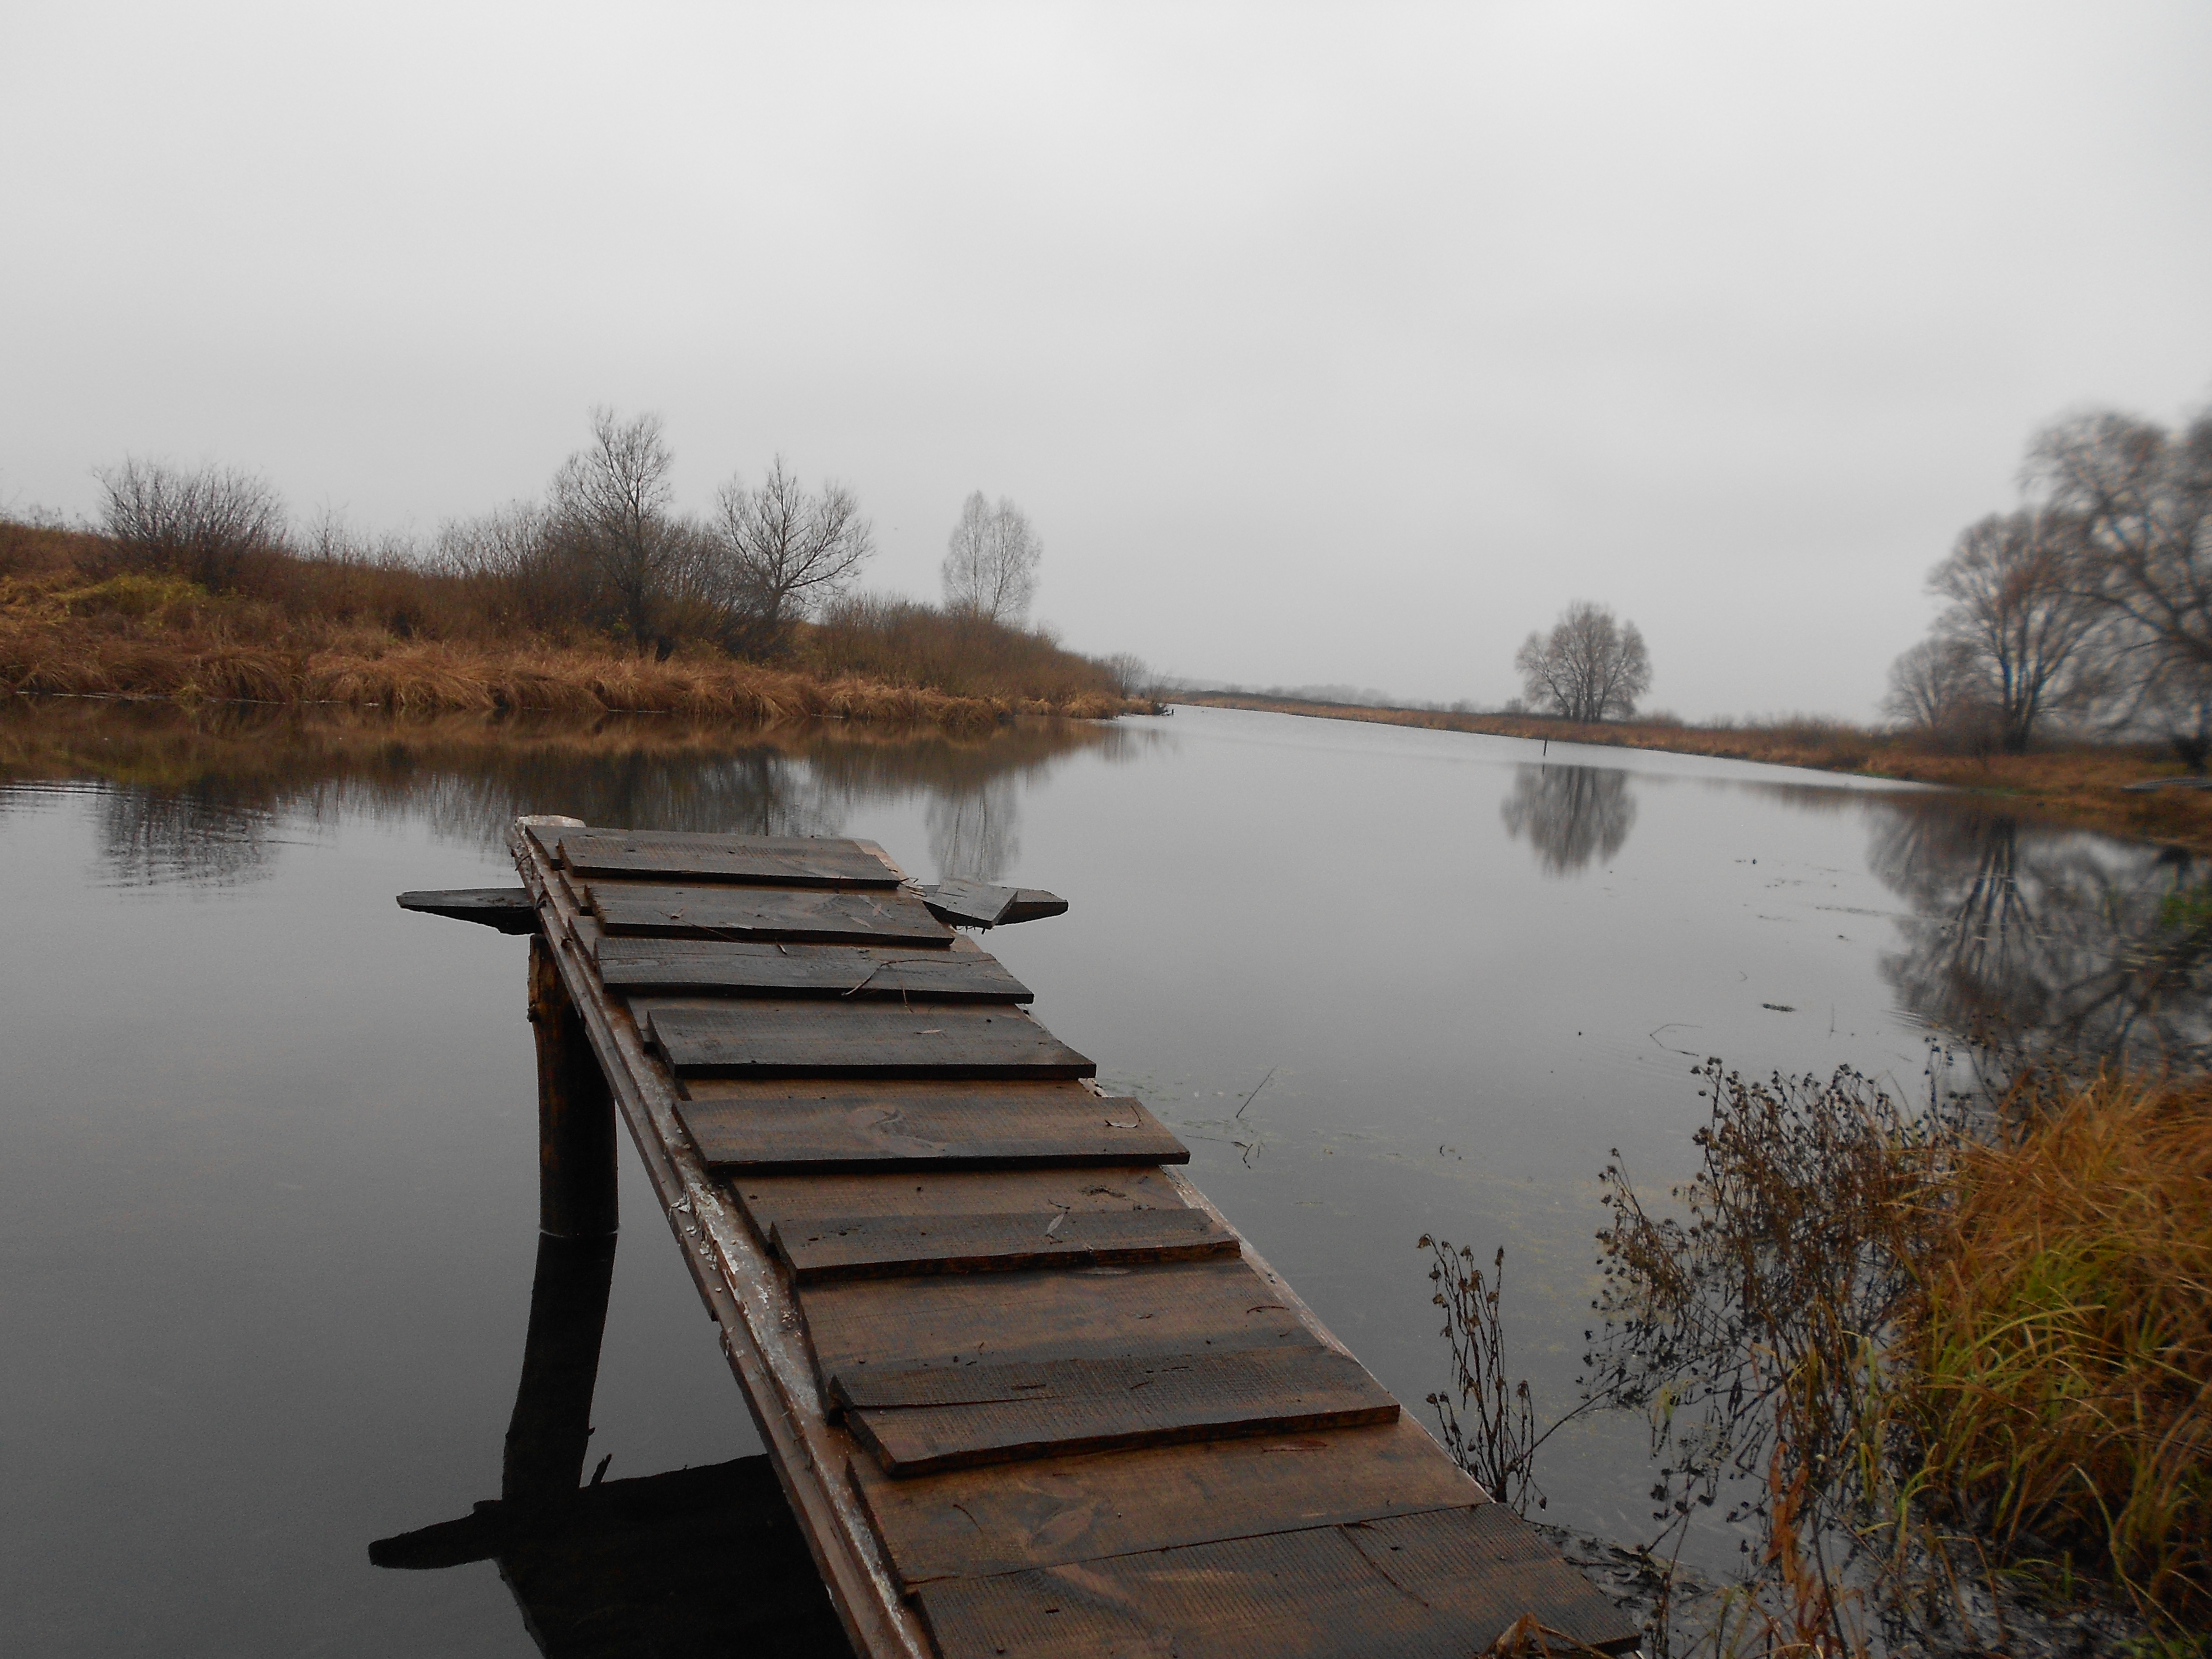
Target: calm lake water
267 1177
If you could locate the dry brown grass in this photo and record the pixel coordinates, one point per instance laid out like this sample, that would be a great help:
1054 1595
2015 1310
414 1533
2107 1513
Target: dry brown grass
2081 785
2062 1338
154 636
1938 1339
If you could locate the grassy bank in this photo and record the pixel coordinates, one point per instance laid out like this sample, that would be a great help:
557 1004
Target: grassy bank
298 630
2081 785
1949 1351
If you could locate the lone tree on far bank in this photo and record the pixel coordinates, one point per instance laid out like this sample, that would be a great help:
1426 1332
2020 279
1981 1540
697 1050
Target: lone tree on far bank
991 561
1588 668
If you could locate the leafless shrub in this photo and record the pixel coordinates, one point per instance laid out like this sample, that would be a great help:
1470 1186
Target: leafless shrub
206 526
780 552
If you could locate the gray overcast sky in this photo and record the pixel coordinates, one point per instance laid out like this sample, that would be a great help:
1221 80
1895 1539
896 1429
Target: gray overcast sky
1321 343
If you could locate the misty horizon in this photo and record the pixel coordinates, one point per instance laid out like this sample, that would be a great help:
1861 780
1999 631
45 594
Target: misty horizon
1322 350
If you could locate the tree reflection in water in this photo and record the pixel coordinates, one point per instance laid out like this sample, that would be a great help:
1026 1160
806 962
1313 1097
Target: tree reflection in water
206 796
2048 941
1571 814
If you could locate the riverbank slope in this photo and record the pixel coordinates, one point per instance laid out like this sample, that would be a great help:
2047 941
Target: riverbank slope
368 637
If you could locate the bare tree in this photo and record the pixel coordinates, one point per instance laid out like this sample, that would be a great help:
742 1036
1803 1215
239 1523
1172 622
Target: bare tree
1937 687
2144 497
785 550
205 527
990 560
1589 667
610 512
2019 610
1131 678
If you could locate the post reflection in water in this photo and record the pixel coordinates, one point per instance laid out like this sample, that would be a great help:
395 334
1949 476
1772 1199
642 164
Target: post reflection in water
2047 939
697 1560
1570 814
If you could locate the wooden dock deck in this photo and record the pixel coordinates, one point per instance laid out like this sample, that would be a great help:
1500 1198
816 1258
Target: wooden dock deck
1027 1391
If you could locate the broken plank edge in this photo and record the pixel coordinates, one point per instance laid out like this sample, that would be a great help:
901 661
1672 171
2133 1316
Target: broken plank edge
509 909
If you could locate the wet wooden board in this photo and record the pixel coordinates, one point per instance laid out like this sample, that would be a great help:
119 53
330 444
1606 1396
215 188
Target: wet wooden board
910 1193
970 903
1441 1583
1101 1313
769 1039
975 904
967 1523
920 1422
507 909
770 860
883 1125
821 916
863 1246
1033 905
760 969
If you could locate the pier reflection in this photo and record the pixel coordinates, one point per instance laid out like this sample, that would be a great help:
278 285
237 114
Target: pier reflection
705 1561
1570 815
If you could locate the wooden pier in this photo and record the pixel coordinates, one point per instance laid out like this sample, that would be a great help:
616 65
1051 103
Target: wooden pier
1026 1391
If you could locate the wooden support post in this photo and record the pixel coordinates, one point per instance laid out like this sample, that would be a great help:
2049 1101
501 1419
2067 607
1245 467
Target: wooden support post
575 1112
551 1428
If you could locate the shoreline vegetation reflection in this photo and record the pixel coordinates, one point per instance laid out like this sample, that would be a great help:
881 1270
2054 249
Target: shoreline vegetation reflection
2043 952
1944 1372
202 796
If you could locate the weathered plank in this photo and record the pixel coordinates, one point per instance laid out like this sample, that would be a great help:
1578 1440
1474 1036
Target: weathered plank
507 909
970 903
983 1125
743 968
822 916
913 1191
767 1039
771 861
919 1422
1033 905
1091 1313
865 1247
978 904
1445 1582
966 1523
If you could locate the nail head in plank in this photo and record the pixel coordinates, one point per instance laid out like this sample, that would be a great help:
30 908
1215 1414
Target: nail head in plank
772 860
961 1320
896 1123
876 1247
920 1422
1456 1581
822 916
767 1039
967 1523
761 969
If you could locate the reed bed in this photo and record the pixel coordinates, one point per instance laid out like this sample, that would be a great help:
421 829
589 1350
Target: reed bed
1946 1359
2060 1344
140 635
